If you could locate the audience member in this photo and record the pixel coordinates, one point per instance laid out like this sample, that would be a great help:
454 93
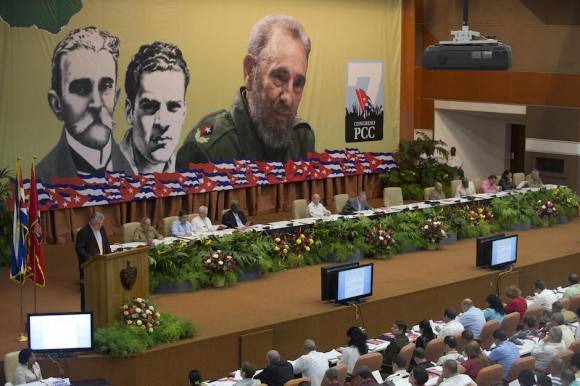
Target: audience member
400 340
182 227
556 369
506 181
437 192
247 372
543 296
472 318
494 310
420 359
201 223
476 360
505 352
399 371
316 209
313 364
568 378
547 348
467 337
418 377
533 179
235 217
526 377
516 302
427 334
366 376
277 371
145 232
27 369
331 377
559 322
195 378
573 287
453 160
357 346
452 326
543 380
489 185
529 328
465 189
451 377
545 320
450 351
356 204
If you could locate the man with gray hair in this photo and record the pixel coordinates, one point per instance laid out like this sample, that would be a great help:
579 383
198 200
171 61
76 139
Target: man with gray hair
547 348
201 223
451 377
472 318
312 364
277 371
91 240
262 123
83 96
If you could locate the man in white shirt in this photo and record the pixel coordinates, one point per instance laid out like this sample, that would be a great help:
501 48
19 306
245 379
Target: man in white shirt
543 296
400 375
312 364
547 348
452 326
202 223
316 209
450 376
465 189
450 351
558 321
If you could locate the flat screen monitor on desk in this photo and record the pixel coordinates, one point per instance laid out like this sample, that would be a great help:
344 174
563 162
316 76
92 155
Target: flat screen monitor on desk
328 278
60 332
504 252
354 283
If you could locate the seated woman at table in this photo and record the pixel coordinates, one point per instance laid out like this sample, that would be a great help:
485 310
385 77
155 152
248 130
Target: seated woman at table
516 302
28 369
476 360
494 310
357 346
506 181
427 334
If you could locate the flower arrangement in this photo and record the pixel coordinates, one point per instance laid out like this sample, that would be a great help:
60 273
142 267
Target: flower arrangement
433 231
381 239
140 313
297 243
476 215
219 262
545 209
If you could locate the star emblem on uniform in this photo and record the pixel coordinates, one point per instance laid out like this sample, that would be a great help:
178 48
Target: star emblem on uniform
204 133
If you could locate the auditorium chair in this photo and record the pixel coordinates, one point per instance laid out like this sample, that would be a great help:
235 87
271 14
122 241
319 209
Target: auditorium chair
536 312
434 349
129 230
574 303
392 196
407 354
517 178
299 209
339 201
575 346
565 355
520 364
167 221
490 375
427 192
341 372
509 324
373 360
454 185
10 363
298 382
486 336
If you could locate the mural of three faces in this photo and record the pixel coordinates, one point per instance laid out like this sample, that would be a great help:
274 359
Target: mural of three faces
261 124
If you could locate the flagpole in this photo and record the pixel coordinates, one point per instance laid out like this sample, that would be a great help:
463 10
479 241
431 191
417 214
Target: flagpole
34 269
22 337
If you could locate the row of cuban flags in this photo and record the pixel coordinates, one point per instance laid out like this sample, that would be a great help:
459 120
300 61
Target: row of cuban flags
117 187
27 258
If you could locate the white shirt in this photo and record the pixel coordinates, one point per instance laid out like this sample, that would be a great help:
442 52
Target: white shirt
23 374
545 299
349 357
458 380
451 328
544 352
202 225
399 378
312 365
567 335
99 238
316 210
452 355
454 161
462 192
98 159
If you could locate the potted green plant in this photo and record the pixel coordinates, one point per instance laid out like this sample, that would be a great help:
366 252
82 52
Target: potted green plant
406 227
433 232
176 267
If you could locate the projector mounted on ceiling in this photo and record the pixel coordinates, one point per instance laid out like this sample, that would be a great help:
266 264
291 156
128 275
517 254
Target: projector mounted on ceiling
468 51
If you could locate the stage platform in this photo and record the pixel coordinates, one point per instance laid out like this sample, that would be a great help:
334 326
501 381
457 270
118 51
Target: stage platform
281 309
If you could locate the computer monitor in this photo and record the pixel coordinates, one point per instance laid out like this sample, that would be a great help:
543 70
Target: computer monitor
504 252
354 283
328 277
60 332
483 249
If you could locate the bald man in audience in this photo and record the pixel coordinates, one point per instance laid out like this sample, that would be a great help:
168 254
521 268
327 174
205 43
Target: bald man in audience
145 232
472 318
316 209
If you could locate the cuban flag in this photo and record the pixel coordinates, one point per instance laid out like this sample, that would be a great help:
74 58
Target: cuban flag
365 105
19 230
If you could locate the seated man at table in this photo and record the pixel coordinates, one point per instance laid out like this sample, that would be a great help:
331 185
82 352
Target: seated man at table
489 185
437 192
316 209
533 179
451 326
573 287
247 372
313 364
181 227
277 372
465 189
418 377
505 352
472 318
235 217
558 307
547 348
366 376
145 232
543 297
202 223
450 351
420 358
400 374
356 204
451 377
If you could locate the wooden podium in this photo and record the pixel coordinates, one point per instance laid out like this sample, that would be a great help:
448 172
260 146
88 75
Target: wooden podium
108 280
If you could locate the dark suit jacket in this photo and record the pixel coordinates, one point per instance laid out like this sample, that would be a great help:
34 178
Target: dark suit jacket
351 206
230 221
86 244
276 374
59 161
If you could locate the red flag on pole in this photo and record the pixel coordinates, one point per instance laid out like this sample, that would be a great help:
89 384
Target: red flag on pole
35 264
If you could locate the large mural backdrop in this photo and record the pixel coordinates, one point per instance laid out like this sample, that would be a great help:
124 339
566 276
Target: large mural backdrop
102 92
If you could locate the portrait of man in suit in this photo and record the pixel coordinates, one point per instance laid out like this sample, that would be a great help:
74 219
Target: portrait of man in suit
155 84
83 96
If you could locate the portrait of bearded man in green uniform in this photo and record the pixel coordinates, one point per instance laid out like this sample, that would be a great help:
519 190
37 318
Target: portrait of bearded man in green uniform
262 123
